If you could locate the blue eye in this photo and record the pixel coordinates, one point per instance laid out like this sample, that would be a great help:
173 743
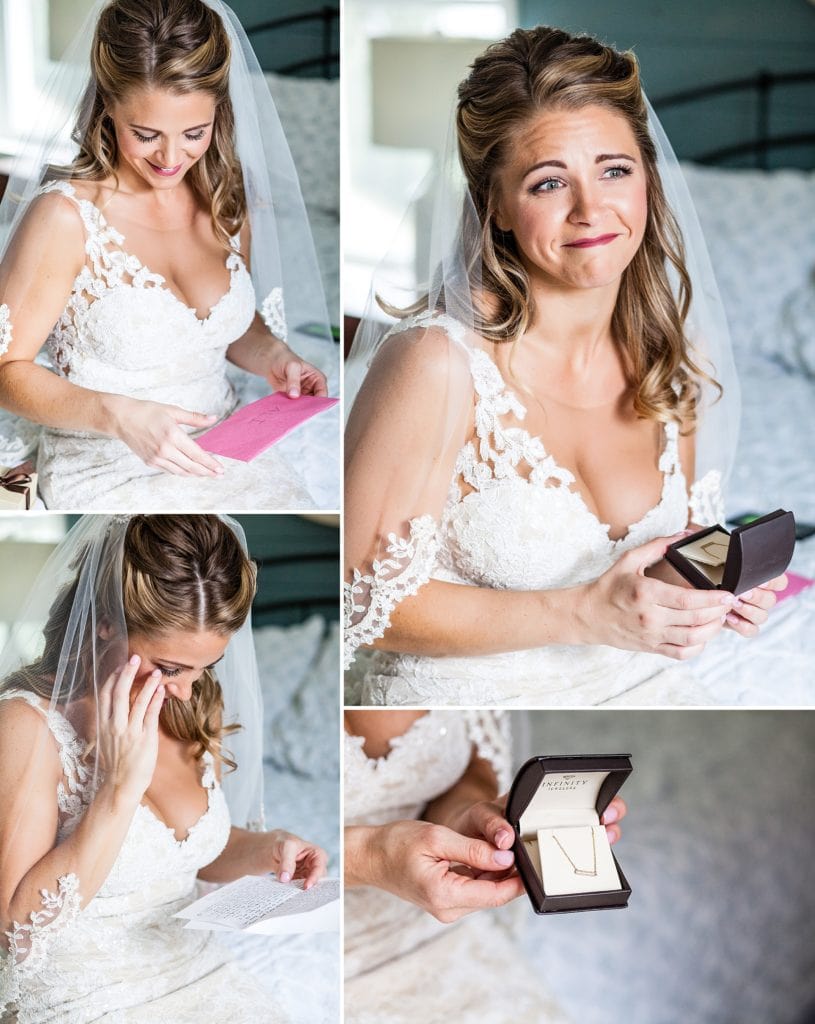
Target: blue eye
619 171
547 185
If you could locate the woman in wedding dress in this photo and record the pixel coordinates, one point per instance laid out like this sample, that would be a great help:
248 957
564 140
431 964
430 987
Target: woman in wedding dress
114 744
420 791
531 435
140 263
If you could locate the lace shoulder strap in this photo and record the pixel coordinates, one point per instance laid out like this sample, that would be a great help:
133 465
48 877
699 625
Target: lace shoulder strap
90 214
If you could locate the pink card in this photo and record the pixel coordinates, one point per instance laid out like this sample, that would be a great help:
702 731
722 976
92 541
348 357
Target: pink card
255 427
795 584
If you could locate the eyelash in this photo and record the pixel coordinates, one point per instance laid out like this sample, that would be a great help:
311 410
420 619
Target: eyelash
623 168
152 138
170 673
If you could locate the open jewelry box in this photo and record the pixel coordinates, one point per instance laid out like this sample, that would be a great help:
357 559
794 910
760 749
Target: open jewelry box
714 559
561 849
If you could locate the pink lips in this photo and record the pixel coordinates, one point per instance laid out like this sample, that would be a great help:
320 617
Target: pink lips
165 173
587 243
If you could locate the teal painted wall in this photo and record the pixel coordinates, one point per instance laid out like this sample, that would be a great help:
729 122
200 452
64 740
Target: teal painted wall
697 42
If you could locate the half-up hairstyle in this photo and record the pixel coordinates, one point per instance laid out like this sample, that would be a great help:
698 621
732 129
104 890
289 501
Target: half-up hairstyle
180 46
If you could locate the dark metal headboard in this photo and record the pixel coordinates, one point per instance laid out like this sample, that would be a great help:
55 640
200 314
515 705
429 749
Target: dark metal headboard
327 62
761 87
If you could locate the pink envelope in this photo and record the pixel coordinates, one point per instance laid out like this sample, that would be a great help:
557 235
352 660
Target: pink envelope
256 427
795 584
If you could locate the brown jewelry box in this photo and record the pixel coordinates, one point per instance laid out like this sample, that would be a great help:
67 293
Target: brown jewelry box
757 552
524 787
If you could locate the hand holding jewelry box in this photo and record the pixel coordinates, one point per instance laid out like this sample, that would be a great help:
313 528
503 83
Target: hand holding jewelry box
562 852
714 559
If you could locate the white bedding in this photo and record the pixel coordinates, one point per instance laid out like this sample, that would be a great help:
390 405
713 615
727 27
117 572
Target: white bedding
760 228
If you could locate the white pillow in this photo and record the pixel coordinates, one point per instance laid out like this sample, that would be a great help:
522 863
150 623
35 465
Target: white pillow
796 329
309 110
760 230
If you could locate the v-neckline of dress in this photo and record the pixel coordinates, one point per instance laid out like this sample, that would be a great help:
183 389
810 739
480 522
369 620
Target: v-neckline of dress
566 476
231 263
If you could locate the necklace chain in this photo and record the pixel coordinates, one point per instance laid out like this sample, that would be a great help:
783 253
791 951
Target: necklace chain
575 868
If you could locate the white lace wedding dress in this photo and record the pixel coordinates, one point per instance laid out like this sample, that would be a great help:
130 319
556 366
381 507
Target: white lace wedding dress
124 331
401 965
512 521
124 959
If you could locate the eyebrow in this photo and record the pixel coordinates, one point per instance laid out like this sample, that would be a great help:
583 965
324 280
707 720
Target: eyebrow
178 664
599 159
145 129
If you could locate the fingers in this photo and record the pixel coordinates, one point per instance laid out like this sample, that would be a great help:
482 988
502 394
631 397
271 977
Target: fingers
612 816
202 462
475 853
293 373
140 704
120 697
288 849
492 825
318 859
693 636
154 709
778 584
191 419
476 893
646 554
680 653
684 599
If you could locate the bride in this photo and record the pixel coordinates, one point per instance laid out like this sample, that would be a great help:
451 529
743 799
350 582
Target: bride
143 263
530 435
115 742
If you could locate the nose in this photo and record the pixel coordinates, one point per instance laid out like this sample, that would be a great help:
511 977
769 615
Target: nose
168 154
586 205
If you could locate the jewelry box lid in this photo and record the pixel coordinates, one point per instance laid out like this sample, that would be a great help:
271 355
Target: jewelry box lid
531 774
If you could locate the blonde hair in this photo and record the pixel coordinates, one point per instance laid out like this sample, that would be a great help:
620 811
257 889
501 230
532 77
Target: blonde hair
186 572
512 81
180 46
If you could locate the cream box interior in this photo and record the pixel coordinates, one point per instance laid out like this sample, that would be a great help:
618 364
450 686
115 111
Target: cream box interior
561 832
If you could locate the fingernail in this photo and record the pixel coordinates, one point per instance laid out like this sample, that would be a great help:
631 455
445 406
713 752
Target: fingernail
738 604
135 659
732 619
285 876
610 815
501 836
728 599
611 833
293 392
503 857
155 673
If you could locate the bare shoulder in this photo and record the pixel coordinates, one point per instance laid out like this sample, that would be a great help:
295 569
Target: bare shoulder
26 740
51 216
423 355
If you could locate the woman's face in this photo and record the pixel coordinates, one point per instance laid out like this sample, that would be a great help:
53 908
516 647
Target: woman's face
162 134
573 193
180 655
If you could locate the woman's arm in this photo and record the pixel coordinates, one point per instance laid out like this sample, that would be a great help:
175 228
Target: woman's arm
30 770
36 279
261 352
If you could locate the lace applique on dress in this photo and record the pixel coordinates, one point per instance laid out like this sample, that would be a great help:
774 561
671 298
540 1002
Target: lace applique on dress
490 733
706 500
274 314
5 329
370 597
28 943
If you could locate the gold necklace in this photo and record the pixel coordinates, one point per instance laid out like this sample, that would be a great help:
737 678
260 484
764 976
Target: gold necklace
575 868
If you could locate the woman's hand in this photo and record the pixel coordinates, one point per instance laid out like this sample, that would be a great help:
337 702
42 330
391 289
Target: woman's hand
754 606
445 873
627 609
153 431
288 372
292 857
128 733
